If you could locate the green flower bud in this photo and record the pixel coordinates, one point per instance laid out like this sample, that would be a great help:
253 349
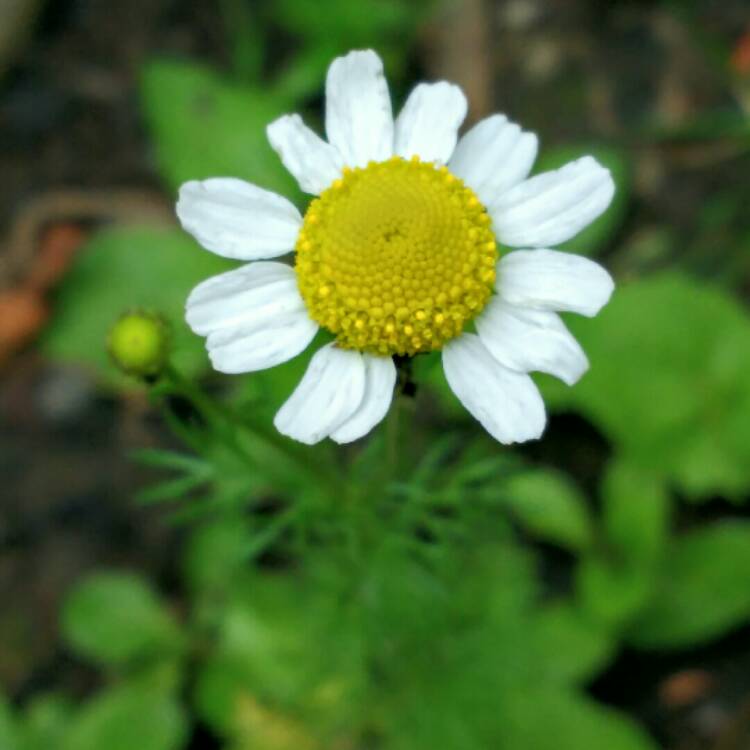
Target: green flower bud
139 344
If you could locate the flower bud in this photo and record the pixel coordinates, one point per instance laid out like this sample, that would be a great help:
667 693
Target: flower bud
138 344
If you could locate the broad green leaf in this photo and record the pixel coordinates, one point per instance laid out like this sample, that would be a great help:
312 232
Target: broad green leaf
636 512
46 722
238 714
276 641
703 589
556 720
611 594
219 687
668 383
571 647
121 269
267 644
205 126
114 618
594 238
550 506
128 717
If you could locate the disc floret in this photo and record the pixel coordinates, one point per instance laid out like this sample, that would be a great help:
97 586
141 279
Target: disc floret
396 257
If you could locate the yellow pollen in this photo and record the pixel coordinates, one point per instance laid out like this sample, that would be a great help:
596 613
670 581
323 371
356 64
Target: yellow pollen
396 257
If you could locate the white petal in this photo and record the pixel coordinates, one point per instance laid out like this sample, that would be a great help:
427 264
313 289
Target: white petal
254 317
552 207
314 163
551 280
256 291
235 219
380 379
329 393
429 121
494 156
359 119
260 344
506 403
531 340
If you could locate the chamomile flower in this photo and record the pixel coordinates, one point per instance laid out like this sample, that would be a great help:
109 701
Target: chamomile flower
408 246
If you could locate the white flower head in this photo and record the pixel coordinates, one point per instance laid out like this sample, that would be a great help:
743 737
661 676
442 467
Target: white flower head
402 249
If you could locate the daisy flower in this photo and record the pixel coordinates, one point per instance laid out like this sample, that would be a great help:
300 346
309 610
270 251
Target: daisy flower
403 251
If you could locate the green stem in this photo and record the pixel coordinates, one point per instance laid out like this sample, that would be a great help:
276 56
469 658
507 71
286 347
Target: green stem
394 444
220 417
392 436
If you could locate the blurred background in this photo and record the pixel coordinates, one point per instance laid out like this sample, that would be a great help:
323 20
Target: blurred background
622 584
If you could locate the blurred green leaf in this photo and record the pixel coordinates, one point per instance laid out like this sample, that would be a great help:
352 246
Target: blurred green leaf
636 512
612 594
353 25
127 717
668 382
204 126
282 642
121 269
218 689
164 459
114 618
9 732
46 721
572 648
550 506
246 37
215 552
387 26
267 643
176 489
594 238
703 589
261 651
556 720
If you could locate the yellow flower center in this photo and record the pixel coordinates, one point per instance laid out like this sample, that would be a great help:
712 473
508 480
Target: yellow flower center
396 257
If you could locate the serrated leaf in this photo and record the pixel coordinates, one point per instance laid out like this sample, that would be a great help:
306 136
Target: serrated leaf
115 618
549 506
119 270
205 126
703 589
127 717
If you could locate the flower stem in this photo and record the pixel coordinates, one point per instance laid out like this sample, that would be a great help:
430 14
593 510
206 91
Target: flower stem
230 424
392 429
405 391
